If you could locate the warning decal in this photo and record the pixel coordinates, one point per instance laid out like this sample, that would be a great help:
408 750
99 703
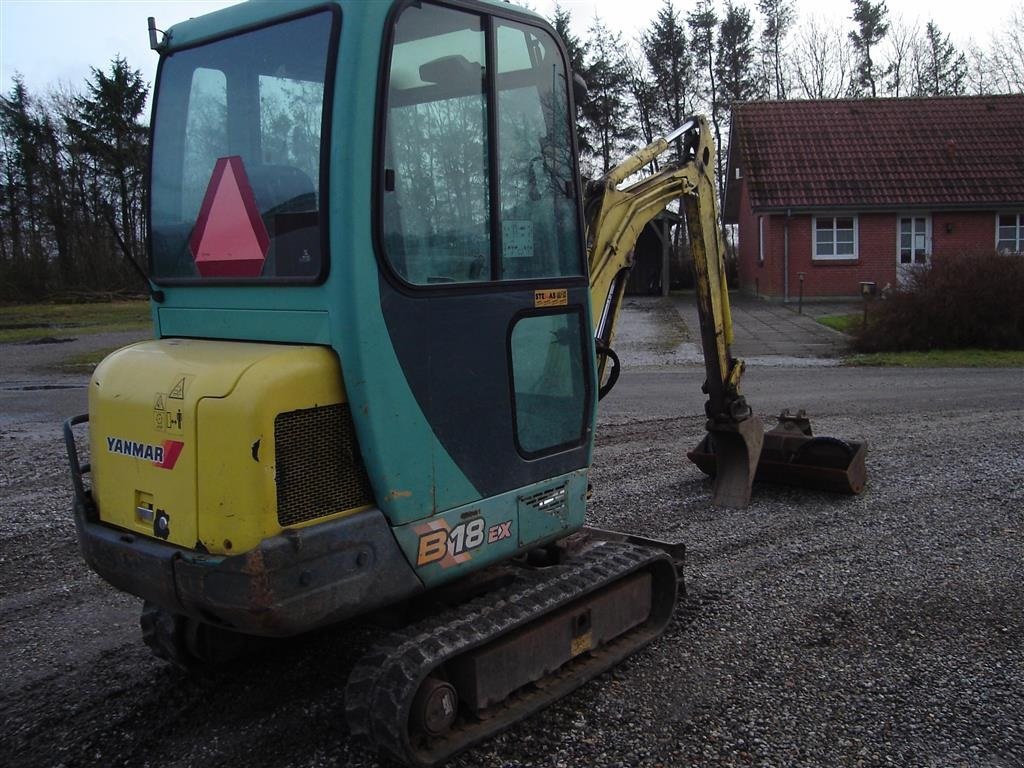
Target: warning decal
229 239
169 408
551 297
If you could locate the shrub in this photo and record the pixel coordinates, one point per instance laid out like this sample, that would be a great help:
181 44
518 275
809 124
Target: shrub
957 302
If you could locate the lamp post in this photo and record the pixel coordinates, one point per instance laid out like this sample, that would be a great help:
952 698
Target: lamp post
868 291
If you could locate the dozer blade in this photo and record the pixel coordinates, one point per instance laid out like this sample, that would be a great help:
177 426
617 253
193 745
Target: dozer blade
737 448
792 455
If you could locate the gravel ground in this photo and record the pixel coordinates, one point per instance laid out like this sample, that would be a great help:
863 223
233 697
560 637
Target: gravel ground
879 630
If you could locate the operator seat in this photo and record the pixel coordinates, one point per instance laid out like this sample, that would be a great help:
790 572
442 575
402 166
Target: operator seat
287 200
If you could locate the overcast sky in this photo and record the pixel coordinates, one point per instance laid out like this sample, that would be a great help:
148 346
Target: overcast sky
56 41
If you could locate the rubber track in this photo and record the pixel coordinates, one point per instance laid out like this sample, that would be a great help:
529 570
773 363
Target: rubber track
381 687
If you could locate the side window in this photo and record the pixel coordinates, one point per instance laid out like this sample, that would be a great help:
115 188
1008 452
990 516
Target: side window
436 208
1010 233
538 210
290 117
549 387
477 185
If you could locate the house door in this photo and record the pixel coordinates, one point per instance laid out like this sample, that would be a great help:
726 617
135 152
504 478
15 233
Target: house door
914 249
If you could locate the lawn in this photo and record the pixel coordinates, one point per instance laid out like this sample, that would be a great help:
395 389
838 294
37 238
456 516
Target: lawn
943 358
842 323
28 322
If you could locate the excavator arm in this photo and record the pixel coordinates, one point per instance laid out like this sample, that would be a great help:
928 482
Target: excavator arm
736 448
616 215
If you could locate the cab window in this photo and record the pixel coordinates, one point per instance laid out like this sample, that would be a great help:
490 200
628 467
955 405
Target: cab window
478 175
237 144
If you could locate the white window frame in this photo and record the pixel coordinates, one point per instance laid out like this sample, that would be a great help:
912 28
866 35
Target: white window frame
760 239
1019 239
913 233
815 256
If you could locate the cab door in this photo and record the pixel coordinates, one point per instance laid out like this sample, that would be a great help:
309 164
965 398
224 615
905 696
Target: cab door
482 280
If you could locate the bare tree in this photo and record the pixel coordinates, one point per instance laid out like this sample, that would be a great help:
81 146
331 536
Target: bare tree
981 77
821 60
1007 56
904 39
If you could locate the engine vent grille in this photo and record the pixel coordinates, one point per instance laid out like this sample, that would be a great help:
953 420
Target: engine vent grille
551 501
319 467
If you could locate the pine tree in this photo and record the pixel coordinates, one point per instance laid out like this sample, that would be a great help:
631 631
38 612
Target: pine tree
607 109
23 169
778 18
107 128
872 26
703 24
577 50
644 92
668 56
942 68
735 63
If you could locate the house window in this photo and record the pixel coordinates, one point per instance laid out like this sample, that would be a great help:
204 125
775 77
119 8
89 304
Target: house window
760 239
835 238
1010 233
914 240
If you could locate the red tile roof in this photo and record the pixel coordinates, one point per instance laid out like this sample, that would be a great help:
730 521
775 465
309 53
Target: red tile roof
942 152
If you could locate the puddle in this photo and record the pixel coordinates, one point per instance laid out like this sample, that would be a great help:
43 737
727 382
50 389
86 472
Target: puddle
48 340
42 387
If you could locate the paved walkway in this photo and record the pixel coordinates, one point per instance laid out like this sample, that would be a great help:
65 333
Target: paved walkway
772 329
766 333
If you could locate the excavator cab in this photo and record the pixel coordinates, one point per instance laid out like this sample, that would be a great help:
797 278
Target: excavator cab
373 382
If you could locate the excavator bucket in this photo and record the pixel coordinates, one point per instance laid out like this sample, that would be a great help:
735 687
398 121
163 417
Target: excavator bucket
790 454
737 448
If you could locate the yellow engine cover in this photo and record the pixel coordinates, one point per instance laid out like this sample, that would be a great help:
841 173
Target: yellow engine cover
183 443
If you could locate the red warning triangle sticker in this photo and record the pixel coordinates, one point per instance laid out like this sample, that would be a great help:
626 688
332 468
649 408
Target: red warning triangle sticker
229 239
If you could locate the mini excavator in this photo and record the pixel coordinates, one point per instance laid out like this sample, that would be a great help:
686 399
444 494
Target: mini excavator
384 310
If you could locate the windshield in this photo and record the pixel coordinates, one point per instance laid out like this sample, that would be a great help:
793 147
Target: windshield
237 142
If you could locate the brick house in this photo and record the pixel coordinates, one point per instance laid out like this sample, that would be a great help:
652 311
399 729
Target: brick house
845 191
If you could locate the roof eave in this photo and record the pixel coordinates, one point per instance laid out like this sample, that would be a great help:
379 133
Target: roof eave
1002 205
